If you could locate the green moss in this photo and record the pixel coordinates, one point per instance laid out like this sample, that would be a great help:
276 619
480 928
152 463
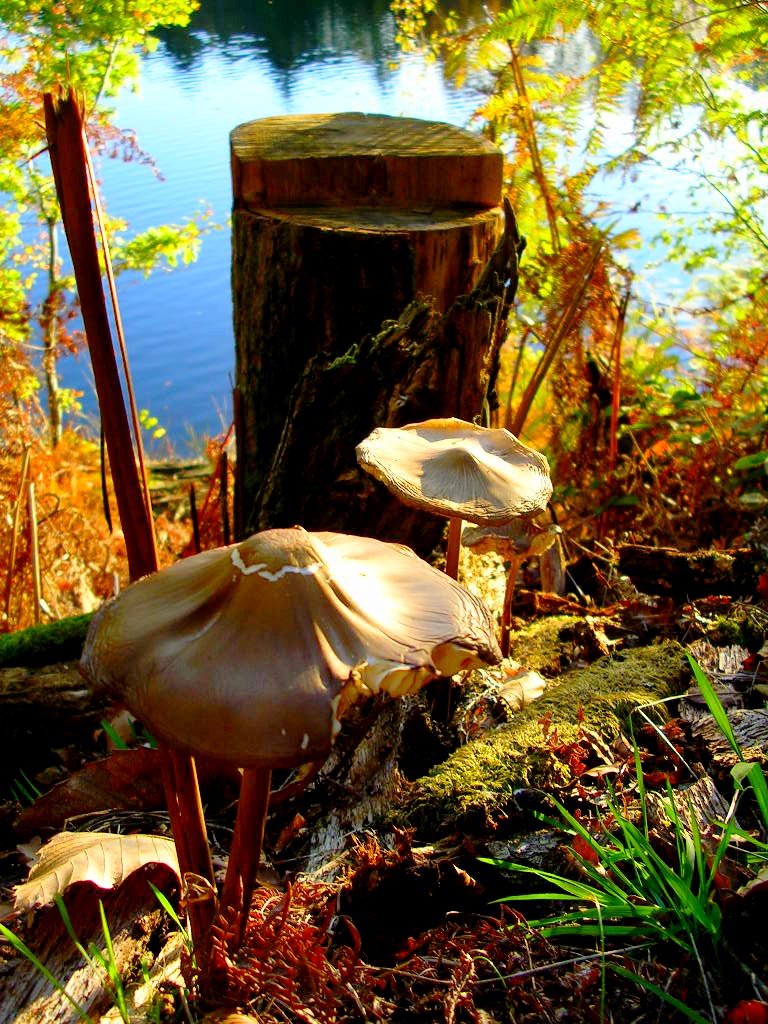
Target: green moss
545 644
724 632
44 645
741 626
479 779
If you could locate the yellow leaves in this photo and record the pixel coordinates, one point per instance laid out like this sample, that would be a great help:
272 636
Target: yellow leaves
630 239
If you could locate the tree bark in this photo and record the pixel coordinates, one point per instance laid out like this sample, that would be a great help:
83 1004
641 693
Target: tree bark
422 365
357 241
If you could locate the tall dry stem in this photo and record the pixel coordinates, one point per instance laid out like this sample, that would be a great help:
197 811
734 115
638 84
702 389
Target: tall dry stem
69 159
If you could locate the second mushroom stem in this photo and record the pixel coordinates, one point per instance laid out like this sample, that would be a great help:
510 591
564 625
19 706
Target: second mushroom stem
506 610
245 853
453 548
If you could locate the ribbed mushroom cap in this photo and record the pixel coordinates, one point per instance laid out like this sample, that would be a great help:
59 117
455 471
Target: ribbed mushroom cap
459 470
242 653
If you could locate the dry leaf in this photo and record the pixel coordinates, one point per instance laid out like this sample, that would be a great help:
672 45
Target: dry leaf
101 858
126 780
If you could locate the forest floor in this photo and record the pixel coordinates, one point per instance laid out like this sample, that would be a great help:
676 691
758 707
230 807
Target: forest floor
589 754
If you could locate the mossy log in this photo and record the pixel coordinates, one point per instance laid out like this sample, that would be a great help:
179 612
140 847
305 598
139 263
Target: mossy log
365 783
477 783
43 645
363 296
688 574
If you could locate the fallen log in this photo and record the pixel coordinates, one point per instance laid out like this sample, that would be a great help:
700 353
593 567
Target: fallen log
44 709
44 645
687 574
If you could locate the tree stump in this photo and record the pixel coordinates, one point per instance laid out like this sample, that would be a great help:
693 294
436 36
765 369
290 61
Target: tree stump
349 230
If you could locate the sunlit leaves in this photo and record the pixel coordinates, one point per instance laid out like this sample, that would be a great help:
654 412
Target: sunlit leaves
575 92
95 47
168 246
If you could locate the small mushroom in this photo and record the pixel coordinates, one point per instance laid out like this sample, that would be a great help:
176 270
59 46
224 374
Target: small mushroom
250 654
454 468
515 541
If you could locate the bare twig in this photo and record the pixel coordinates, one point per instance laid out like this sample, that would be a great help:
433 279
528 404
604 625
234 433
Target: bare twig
15 530
34 548
69 160
224 495
558 336
194 518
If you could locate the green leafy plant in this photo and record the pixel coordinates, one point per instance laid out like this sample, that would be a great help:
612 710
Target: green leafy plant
747 775
151 424
93 955
628 890
170 910
667 394
45 46
23 789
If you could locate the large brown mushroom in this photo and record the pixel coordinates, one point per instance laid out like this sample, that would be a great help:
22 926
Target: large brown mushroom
457 469
250 654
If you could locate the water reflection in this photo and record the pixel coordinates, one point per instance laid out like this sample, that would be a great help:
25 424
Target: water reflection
235 62
290 35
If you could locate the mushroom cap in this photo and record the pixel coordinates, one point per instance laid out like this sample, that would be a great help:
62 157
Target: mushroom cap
457 469
243 653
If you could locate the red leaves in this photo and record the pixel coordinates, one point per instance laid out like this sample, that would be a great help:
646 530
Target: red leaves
748 1011
579 754
286 958
586 851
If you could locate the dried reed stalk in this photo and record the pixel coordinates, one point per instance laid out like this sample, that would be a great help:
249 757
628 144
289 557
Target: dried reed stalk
34 548
613 452
556 339
68 150
25 459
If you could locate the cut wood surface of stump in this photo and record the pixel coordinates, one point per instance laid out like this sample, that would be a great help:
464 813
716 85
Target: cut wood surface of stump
341 222
362 159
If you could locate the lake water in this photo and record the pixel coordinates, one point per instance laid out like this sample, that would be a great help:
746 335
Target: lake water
233 65
240 61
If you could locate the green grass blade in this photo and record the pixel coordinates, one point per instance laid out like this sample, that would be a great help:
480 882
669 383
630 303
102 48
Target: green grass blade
23 950
752 773
670 1000
714 704
573 889
639 777
64 914
111 968
117 740
585 929
168 907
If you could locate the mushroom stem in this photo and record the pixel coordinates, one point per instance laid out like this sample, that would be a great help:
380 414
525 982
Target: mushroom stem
185 809
506 608
245 852
453 547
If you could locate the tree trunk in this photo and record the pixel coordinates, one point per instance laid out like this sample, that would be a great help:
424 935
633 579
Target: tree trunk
353 238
